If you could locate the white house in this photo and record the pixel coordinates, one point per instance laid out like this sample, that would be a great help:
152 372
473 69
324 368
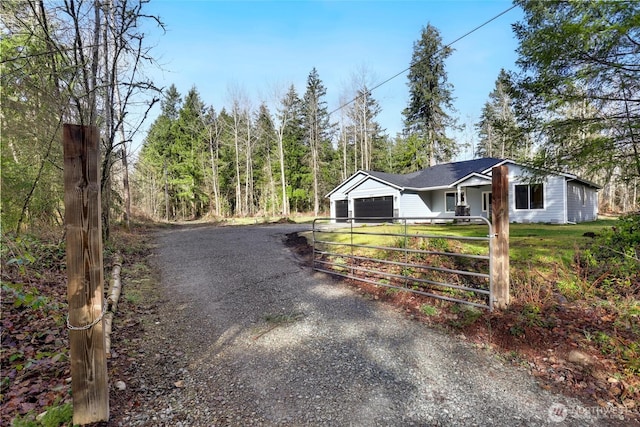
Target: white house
435 192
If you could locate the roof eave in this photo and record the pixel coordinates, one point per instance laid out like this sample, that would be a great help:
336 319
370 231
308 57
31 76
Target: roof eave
346 181
440 187
472 174
587 183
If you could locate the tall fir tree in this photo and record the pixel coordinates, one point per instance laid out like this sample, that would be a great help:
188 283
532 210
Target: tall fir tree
156 155
428 115
317 132
187 156
296 154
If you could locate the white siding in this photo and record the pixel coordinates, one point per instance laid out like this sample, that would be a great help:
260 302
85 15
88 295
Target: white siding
475 181
372 188
582 202
415 204
437 203
340 193
554 202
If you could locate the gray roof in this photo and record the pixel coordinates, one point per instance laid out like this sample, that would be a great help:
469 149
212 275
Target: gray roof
438 175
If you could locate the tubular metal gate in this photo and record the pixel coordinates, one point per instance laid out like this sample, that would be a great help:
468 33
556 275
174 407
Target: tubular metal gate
445 258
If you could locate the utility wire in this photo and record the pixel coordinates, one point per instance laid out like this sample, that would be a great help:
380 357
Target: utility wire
409 67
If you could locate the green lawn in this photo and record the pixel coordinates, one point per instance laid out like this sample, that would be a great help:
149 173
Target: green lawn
542 245
545 244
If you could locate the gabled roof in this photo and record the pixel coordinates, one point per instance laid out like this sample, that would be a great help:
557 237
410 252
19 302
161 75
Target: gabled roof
445 175
439 175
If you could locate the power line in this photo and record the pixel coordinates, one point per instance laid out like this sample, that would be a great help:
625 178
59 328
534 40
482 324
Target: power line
409 67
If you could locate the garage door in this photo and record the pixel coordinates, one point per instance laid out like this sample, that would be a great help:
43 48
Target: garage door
373 207
342 210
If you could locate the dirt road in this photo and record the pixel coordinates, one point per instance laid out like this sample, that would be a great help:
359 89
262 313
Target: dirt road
246 334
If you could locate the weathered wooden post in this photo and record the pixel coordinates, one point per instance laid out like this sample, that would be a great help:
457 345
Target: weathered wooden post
84 269
500 221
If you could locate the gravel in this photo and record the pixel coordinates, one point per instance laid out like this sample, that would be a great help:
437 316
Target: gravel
247 334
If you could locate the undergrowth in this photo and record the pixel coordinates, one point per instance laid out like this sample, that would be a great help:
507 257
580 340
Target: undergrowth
35 389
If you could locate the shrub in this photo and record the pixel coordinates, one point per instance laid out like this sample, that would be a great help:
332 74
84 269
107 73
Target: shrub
613 258
428 310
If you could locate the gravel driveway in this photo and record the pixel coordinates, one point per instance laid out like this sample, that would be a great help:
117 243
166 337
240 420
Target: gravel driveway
248 335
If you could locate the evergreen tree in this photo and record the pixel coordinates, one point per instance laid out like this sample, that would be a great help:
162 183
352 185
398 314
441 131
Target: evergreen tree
156 156
286 117
580 63
405 153
187 156
427 116
317 132
226 169
296 153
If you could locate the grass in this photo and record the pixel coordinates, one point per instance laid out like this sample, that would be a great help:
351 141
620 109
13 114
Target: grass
542 256
429 310
541 244
546 244
53 416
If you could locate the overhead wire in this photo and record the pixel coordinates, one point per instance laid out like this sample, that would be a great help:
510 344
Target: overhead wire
468 33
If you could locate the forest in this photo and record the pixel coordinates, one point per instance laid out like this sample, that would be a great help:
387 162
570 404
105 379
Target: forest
573 105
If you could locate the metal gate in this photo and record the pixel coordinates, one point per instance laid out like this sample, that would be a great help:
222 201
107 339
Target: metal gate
444 258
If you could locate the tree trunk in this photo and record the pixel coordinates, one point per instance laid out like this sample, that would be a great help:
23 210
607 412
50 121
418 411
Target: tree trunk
283 179
127 191
214 174
166 192
236 139
248 184
316 168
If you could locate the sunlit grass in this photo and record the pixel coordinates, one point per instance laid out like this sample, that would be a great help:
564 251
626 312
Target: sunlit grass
545 244
542 245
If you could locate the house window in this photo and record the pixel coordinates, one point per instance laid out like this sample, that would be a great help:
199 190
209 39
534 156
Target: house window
530 196
451 200
486 201
583 195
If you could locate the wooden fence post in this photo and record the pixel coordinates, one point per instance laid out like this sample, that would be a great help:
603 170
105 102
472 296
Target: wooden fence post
500 221
85 292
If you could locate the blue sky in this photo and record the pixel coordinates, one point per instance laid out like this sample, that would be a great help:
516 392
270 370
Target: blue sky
258 47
